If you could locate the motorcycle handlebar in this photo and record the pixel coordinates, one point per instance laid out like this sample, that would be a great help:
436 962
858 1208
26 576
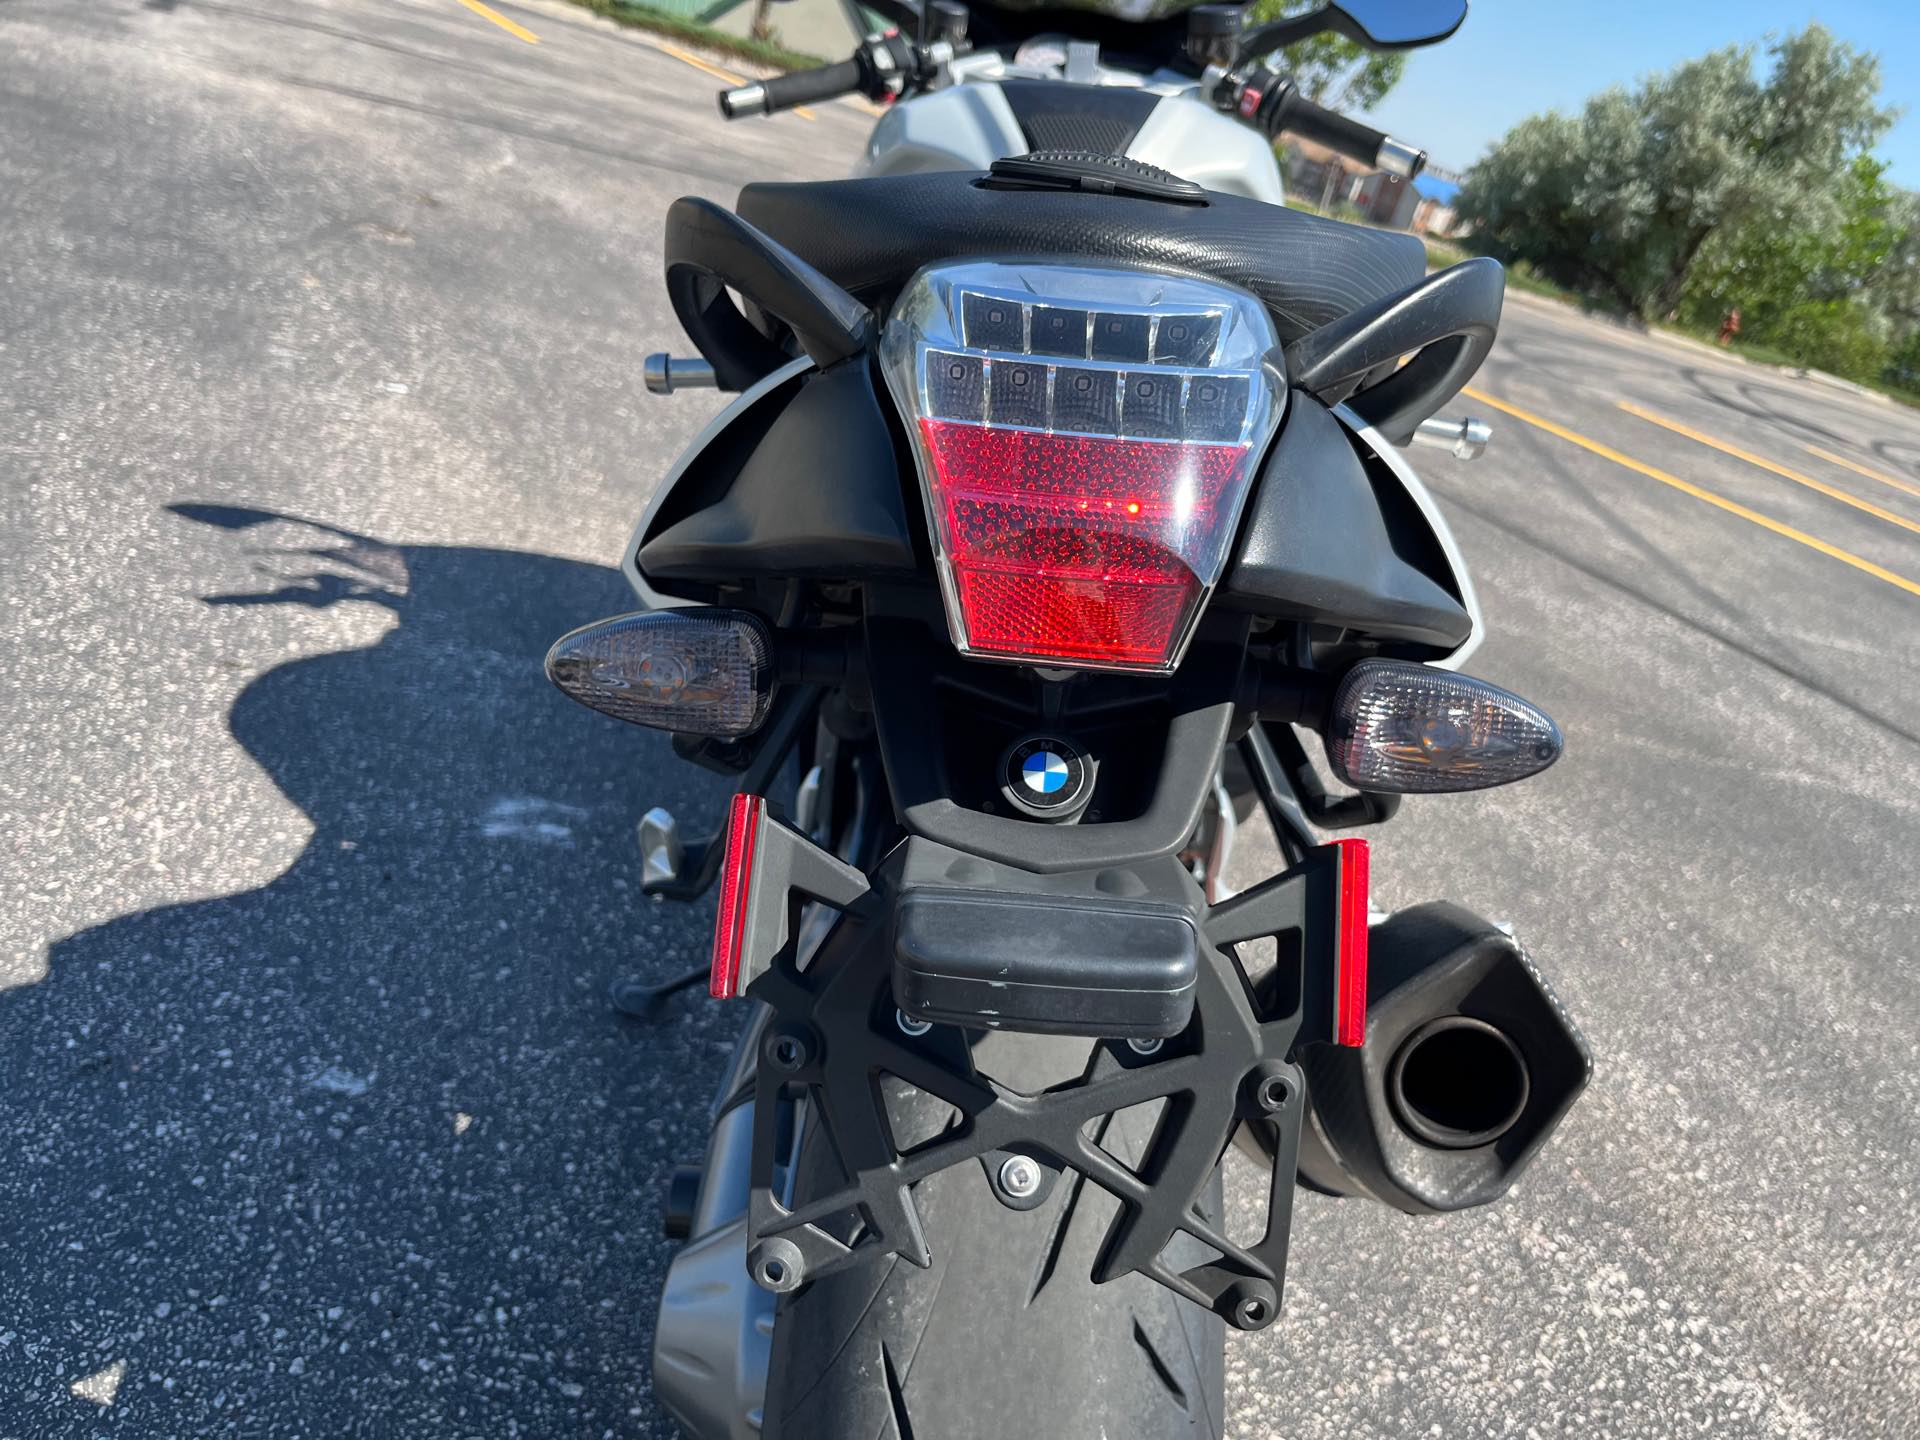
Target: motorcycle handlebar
1365 144
784 92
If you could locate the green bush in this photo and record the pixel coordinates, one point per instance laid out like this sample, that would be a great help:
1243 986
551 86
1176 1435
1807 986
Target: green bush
1838 336
1903 363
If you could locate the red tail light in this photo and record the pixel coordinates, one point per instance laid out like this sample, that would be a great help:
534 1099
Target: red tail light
1084 457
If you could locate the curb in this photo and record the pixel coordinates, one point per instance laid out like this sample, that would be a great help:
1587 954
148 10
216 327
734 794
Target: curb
1699 347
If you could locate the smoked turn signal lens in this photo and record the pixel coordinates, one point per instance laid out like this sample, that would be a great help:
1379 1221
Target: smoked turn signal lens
1402 728
693 671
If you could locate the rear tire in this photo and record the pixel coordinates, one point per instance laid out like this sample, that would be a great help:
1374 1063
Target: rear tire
1005 1335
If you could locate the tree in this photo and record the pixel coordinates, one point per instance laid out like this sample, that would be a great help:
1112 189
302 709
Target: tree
1623 199
1894 290
1808 290
1330 69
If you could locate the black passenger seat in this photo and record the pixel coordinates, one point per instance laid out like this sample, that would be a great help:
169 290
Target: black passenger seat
871 235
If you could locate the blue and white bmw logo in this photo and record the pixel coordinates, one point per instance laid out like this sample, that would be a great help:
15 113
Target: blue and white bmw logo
1047 777
1044 772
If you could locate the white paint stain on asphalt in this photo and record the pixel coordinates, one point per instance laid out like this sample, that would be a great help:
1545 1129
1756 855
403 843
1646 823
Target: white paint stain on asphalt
340 1081
531 819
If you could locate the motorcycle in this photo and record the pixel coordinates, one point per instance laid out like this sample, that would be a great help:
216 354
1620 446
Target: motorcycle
1062 501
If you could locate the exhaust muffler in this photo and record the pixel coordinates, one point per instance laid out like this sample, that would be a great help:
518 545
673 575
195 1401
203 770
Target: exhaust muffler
1469 1064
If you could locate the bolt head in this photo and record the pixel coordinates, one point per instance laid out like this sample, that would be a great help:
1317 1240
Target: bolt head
1252 1305
1020 1177
1269 1089
776 1265
909 1026
786 1051
1145 1047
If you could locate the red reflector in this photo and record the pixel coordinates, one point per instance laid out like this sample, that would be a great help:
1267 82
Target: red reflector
736 889
1062 546
1350 976
1071 619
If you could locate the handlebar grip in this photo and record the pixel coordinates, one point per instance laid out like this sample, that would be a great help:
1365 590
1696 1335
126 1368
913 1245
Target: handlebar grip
783 92
1350 137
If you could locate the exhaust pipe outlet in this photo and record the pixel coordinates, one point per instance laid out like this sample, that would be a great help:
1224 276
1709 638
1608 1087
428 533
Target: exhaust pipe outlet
1470 1064
1458 1083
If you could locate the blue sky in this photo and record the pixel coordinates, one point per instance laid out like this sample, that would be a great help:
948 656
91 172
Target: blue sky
1515 57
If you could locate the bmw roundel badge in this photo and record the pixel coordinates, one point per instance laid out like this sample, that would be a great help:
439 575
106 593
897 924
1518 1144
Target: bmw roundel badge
1047 777
1044 772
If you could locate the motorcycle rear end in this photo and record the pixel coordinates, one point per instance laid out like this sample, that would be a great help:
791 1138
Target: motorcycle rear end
1060 510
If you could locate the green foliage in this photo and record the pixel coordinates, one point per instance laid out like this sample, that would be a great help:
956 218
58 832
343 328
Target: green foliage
1903 365
1330 69
1621 200
1838 336
1894 289
640 17
1803 289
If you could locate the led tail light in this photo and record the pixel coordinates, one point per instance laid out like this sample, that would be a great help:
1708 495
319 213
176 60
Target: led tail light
1086 440
696 671
1405 728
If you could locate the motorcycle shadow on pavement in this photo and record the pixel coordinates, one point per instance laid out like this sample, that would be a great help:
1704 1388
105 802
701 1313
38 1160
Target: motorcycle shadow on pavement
364 1150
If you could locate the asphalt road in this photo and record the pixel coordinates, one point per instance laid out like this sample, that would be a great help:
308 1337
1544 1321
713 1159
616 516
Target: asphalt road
320 329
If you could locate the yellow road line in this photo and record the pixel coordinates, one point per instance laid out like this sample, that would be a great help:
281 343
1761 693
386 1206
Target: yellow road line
1765 522
519 31
1844 497
1907 486
686 57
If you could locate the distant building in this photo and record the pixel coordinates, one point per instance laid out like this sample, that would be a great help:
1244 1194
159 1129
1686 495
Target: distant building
1435 215
1328 179
1321 177
1387 200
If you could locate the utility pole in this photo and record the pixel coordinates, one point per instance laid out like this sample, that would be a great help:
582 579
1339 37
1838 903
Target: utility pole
1334 168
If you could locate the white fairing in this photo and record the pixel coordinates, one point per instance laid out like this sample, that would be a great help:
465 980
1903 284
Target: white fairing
966 127
1416 489
1198 143
970 125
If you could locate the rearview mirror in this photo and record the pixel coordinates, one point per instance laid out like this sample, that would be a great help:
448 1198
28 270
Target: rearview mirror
1397 24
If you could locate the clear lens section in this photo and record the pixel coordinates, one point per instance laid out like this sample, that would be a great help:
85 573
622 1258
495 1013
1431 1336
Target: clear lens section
699 672
1410 729
1086 441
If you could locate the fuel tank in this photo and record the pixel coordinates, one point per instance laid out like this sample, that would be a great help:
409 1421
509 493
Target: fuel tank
969 126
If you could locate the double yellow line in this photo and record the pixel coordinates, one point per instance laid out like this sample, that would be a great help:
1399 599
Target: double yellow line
1860 469
487 12
1765 464
1765 522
